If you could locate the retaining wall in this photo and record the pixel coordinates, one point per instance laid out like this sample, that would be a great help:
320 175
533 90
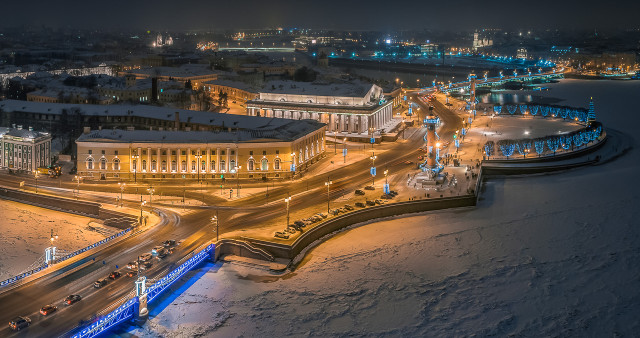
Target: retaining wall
52 202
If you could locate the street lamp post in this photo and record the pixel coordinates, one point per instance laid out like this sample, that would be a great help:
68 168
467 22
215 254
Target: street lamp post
77 178
135 167
287 200
214 219
122 186
404 126
335 142
328 184
151 190
344 150
35 174
373 165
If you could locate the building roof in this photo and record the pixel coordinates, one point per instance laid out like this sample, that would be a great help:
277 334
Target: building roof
234 84
183 71
21 133
257 127
349 89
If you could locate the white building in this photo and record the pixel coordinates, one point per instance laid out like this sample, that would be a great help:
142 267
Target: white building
353 108
24 149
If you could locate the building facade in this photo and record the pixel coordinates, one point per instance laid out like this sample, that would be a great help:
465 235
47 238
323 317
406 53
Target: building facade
161 154
342 109
24 149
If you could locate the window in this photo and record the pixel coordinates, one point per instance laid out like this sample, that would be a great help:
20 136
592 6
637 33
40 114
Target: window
90 164
251 152
164 166
103 164
183 166
173 152
213 152
213 165
203 166
250 165
222 153
153 165
264 152
276 164
102 152
277 152
222 165
90 151
144 165
183 153
265 164
193 165
232 165
233 152
115 152
116 164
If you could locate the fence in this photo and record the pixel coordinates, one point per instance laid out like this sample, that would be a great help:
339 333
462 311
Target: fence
128 310
61 259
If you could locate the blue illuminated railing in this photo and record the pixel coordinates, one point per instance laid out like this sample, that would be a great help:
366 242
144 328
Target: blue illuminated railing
124 312
157 288
61 259
127 310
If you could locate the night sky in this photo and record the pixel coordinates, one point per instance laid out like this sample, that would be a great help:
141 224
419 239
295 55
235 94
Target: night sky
330 14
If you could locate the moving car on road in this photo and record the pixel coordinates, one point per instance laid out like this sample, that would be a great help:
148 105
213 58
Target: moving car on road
132 265
19 323
100 283
115 274
169 243
72 299
48 309
145 257
359 192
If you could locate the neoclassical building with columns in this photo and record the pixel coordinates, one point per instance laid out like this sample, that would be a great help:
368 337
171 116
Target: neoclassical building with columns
356 109
271 150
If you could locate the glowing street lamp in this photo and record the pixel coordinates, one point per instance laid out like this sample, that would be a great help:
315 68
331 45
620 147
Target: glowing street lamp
238 180
373 166
214 220
77 178
122 186
135 167
328 184
36 174
287 200
150 190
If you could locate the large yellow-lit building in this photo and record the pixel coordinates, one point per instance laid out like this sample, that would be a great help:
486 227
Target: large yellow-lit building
252 147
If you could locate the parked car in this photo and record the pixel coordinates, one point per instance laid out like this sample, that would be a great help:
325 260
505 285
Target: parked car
169 243
334 212
370 203
100 283
393 192
19 323
145 257
360 205
348 207
323 215
386 197
115 275
281 234
48 309
132 273
132 265
72 299
369 187
299 223
316 218
359 192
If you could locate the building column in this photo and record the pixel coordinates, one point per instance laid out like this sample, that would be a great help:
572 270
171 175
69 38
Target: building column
208 164
158 160
178 161
189 159
228 167
169 160
218 159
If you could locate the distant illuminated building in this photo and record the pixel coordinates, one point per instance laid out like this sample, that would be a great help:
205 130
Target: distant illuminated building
522 53
24 149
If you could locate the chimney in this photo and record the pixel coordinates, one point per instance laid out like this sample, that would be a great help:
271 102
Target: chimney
30 128
86 130
177 124
19 127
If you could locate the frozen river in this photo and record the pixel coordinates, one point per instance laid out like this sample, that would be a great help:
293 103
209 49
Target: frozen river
550 255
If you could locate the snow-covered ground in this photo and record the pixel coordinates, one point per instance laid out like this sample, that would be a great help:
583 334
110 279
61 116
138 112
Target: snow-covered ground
25 232
549 255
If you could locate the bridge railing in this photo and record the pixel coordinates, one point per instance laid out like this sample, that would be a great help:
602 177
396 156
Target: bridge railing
128 310
23 275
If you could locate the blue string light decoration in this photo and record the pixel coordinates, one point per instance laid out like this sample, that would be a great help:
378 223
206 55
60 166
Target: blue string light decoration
565 142
497 109
523 108
534 110
544 111
539 145
506 147
553 143
488 148
512 109
577 139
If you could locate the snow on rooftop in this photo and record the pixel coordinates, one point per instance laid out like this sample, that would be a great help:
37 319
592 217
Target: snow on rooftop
350 89
283 129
